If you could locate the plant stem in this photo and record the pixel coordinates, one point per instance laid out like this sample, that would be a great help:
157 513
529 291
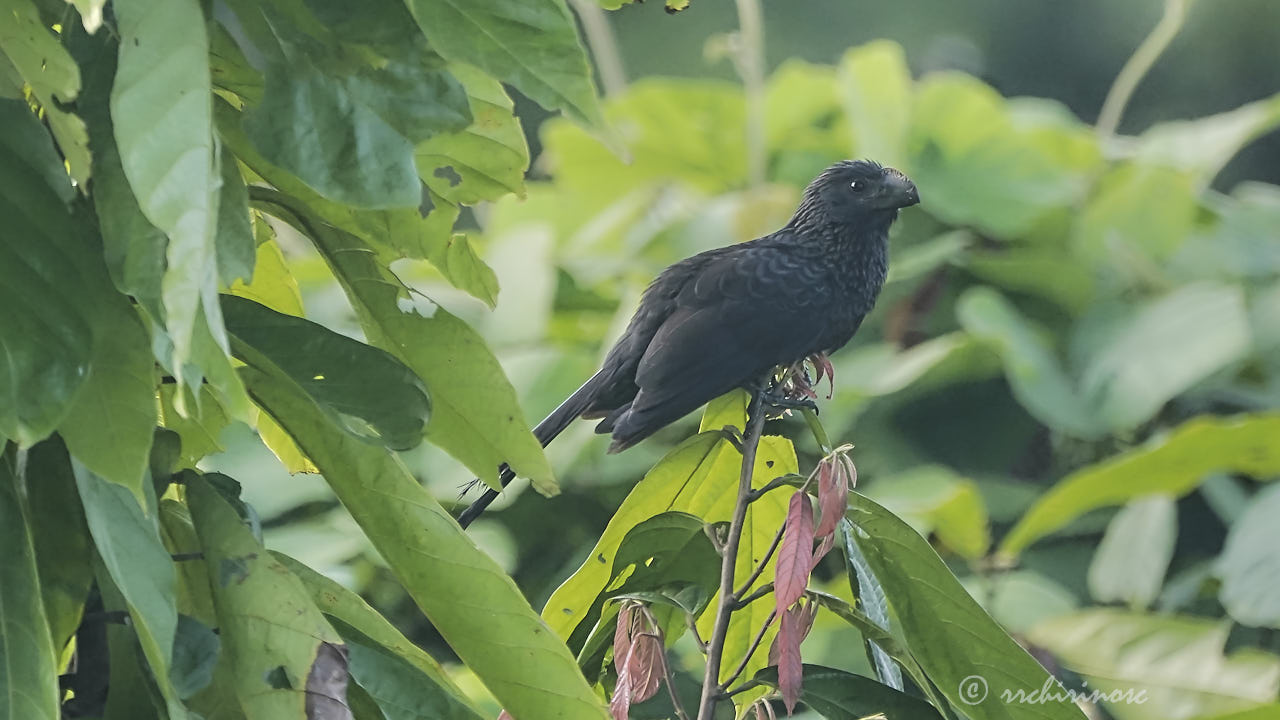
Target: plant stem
728 564
1139 64
750 651
604 46
751 68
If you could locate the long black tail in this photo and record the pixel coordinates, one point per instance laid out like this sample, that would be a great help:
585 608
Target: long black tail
546 431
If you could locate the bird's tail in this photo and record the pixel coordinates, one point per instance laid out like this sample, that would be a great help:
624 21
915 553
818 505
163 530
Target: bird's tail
546 431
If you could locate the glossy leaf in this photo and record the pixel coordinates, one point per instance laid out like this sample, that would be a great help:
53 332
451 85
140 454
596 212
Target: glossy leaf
533 47
288 662
533 673
948 633
1173 464
1134 554
1248 567
29 680
476 417
162 116
367 391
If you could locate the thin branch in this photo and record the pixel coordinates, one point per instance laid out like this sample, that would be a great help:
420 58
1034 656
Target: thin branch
760 592
604 46
768 555
751 67
1139 64
692 623
755 644
715 651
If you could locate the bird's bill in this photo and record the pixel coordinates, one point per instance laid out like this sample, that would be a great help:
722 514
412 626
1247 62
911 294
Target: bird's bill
901 190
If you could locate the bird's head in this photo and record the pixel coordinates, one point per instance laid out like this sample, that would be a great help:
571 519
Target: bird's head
855 191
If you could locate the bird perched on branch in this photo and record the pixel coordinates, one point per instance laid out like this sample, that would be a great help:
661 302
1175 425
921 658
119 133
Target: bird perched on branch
726 318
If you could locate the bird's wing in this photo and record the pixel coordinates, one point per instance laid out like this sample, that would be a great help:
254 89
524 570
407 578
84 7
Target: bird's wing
744 313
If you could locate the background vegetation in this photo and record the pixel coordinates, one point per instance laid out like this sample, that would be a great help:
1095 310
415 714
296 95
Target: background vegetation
1070 386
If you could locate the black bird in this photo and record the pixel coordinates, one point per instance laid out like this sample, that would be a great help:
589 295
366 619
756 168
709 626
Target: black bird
724 318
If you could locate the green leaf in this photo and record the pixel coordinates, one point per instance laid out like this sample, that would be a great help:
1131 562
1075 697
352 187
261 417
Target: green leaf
234 242
1147 361
532 46
495 632
162 116
199 432
932 499
838 695
63 548
398 687
110 425
54 78
365 390
1204 145
195 653
1037 377
1249 567
948 633
128 542
287 661
29 681
980 167
273 283
1173 464
339 603
668 552
401 233
1176 662
1131 561
876 88
343 120
476 416
45 335
1138 214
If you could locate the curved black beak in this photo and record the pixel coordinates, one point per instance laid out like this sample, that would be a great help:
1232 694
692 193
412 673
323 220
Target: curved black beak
901 190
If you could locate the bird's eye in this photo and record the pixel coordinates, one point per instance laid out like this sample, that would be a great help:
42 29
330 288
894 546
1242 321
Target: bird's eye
857 186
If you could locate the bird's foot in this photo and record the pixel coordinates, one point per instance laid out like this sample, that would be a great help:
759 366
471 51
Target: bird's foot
779 397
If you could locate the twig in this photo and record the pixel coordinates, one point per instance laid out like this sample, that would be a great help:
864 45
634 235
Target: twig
760 592
724 609
768 555
755 644
1138 64
604 46
693 628
751 68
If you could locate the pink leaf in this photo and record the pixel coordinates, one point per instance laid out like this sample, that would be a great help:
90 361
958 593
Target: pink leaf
620 704
646 666
796 553
790 666
623 659
622 636
504 715
831 502
824 547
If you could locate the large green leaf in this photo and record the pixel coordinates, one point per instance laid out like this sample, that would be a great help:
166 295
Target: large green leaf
876 87
342 120
234 243
399 688
1131 561
366 390
532 46
947 632
28 661
1173 464
162 116
492 629
110 425
128 541
838 695
1177 663
1204 145
341 604
63 548
288 662
1147 360
1138 213
475 414
399 233
45 336
933 499
1037 377
1249 566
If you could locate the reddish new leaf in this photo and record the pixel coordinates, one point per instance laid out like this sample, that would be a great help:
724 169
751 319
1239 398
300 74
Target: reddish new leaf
790 667
795 556
620 704
623 657
622 636
504 715
824 547
645 667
